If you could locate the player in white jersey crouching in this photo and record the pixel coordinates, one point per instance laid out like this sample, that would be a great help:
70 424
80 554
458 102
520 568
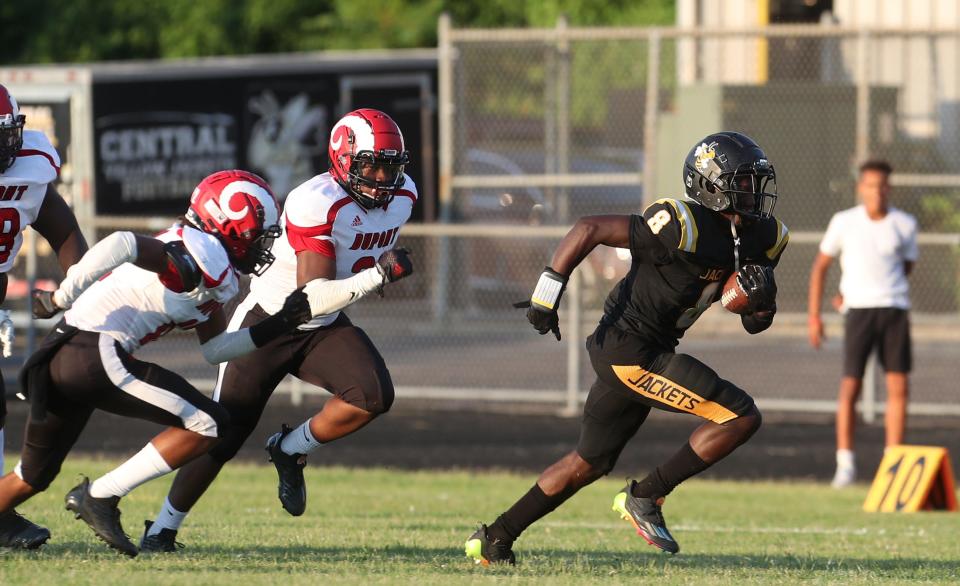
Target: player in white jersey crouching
340 231
125 292
29 166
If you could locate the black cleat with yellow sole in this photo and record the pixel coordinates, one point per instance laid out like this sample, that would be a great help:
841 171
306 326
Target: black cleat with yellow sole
646 517
484 550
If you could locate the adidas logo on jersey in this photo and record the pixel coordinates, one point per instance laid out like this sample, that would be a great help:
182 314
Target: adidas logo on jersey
356 221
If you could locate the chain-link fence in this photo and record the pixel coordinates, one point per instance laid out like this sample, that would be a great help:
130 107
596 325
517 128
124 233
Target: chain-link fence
541 126
538 127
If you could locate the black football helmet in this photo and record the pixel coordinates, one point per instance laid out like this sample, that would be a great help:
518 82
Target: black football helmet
729 172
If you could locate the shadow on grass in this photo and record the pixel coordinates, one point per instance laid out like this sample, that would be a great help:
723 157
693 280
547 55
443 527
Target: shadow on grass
447 560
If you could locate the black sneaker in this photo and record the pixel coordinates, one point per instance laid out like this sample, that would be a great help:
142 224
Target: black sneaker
18 532
101 515
646 517
488 551
165 541
292 489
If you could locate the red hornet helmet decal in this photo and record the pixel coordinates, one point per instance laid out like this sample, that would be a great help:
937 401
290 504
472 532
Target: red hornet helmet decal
238 208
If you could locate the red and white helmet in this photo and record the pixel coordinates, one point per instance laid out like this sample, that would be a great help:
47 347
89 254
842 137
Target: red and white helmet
367 156
238 208
11 129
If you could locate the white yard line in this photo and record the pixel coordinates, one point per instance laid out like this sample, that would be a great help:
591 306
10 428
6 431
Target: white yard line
714 529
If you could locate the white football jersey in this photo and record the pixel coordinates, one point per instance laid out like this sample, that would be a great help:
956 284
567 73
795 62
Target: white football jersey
321 217
22 188
135 306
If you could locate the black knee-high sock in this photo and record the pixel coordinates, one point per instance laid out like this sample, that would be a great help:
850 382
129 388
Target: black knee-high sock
525 512
682 465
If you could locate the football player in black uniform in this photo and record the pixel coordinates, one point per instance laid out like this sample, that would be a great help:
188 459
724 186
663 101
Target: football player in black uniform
683 252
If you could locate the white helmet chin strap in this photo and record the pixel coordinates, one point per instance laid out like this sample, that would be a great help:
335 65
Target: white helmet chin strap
736 243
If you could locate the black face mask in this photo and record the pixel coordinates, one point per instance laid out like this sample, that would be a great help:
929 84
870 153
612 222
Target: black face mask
381 175
258 257
11 141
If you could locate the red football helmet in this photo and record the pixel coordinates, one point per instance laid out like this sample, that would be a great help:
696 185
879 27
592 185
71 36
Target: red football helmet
367 156
11 129
238 208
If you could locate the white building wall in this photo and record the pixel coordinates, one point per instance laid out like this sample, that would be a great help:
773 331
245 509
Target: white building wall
926 68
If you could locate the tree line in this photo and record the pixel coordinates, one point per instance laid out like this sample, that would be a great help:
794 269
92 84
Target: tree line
78 31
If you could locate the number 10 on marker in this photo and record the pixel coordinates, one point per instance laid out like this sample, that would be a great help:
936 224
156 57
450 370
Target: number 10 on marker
913 478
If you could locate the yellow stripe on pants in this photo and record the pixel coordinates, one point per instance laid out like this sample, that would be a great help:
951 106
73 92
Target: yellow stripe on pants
663 390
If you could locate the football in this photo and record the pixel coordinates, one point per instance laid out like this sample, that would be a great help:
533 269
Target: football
734 298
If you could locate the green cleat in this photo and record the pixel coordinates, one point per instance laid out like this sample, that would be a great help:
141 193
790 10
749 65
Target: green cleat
488 551
645 516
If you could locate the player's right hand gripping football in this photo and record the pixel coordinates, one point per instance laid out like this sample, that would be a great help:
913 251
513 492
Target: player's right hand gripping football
395 264
758 283
543 304
43 306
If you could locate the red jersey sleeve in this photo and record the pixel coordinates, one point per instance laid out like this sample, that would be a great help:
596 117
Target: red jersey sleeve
317 239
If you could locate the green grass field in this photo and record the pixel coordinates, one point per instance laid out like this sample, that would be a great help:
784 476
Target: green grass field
383 526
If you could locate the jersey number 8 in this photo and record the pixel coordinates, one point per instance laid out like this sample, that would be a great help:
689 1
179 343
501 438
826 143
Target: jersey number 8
9 229
658 221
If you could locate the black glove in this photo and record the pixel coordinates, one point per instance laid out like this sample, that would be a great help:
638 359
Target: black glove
295 311
43 306
756 322
543 304
395 264
758 283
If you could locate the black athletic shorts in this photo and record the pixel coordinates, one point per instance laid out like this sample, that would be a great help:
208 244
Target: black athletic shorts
92 371
339 358
632 378
885 328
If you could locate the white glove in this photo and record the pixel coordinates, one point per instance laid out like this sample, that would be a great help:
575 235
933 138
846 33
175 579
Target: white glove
6 333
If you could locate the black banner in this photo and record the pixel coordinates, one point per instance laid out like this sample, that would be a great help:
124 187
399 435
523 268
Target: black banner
156 139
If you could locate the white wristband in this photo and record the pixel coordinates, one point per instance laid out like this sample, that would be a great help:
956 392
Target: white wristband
549 288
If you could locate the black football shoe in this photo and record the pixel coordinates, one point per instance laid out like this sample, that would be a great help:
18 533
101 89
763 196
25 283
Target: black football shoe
484 550
292 490
163 542
18 532
101 515
645 516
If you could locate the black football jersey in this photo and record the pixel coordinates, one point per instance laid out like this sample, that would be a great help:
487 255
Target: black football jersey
658 301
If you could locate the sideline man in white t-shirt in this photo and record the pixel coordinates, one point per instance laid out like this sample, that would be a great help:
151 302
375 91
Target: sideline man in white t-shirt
877 244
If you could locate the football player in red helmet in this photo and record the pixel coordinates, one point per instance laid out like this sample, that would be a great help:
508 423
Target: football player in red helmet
241 211
367 157
29 166
11 129
125 292
340 234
